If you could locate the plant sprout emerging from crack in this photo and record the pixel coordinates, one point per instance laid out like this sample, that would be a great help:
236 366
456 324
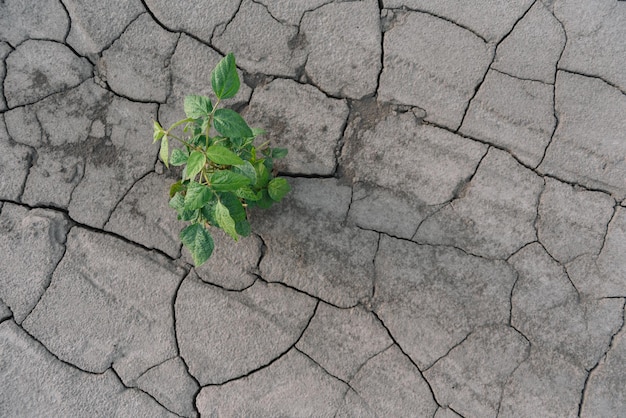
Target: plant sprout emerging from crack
223 174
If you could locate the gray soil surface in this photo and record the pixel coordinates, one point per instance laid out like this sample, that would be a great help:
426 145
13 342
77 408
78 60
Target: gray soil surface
454 244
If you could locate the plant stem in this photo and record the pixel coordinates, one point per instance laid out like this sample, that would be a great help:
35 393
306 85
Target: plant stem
186 143
180 122
208 126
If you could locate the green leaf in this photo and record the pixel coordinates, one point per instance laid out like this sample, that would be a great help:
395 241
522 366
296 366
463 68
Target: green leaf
224 78
158 132
248 194
266 201
178 157
278 188
262 175
229 123
225 221
222 155
226 181
177 202
177 187
197 196
188 215
279 152
197 106
198 140
232 202
208 212
247 169
236 142
243 227
195 163
258 131
199 242
206 121
164 151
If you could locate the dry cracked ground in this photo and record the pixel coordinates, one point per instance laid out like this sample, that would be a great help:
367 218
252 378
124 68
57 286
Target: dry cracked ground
454 245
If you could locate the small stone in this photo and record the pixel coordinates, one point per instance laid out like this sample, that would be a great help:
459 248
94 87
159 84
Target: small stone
34 241
311 137
224 335
37 69
391 385
265 46
96 25
572 222
342 340
588 146
137 64
470 378
310 247
109 305
291 386
344 48
433 64
21 20
41 385
533 49
172 386
423 299
514 114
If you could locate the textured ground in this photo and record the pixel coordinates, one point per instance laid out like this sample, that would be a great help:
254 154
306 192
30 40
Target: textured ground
454 245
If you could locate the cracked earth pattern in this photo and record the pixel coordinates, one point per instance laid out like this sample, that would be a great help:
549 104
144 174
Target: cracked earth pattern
454 244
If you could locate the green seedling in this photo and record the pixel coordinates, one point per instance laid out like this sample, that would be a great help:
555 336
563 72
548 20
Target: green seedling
224 172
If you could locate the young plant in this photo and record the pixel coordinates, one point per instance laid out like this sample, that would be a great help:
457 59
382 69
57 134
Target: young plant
224 171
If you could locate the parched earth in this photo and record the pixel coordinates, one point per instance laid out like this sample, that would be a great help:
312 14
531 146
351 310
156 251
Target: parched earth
454 243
